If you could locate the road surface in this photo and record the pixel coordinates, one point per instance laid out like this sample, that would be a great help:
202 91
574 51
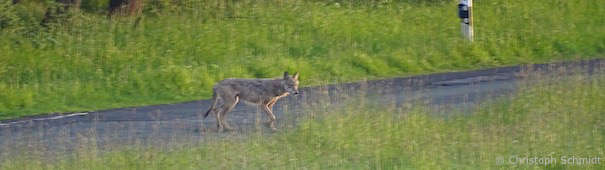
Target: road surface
175 124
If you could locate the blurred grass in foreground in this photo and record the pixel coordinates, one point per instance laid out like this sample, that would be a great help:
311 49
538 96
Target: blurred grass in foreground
553 118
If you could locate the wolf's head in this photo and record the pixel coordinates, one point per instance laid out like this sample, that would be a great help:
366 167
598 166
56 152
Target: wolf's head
290 83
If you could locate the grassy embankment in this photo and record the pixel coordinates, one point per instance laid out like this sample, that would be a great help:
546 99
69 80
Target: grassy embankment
557 120
89 62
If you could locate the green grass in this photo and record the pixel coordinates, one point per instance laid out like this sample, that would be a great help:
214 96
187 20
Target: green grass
541 120
89 62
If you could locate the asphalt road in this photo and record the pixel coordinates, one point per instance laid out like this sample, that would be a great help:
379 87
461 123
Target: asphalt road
175 124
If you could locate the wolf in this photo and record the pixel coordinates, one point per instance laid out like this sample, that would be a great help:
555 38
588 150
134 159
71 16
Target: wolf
261 92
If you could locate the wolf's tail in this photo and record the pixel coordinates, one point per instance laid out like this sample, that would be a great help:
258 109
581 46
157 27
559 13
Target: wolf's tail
211 105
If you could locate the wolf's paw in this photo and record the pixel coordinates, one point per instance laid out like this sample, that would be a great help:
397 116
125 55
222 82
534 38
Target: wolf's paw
271 125
226 129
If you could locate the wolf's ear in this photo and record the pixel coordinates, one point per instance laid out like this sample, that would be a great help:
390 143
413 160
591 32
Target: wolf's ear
295 76
286 75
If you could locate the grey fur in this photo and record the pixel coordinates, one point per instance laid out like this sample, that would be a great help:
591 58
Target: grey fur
262 92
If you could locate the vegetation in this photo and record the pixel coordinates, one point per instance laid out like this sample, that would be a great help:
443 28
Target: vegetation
557 120
175 52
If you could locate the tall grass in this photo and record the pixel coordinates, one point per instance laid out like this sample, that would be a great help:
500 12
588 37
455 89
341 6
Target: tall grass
557 118
88 62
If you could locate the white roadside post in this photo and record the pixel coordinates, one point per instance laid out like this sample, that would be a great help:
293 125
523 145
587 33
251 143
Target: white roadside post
466 15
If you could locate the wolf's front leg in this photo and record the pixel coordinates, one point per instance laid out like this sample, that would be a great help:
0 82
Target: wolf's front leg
269 112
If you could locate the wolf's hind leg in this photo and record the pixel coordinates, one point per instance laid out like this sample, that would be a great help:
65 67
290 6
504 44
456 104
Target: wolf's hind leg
219 124
227 107
217 112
